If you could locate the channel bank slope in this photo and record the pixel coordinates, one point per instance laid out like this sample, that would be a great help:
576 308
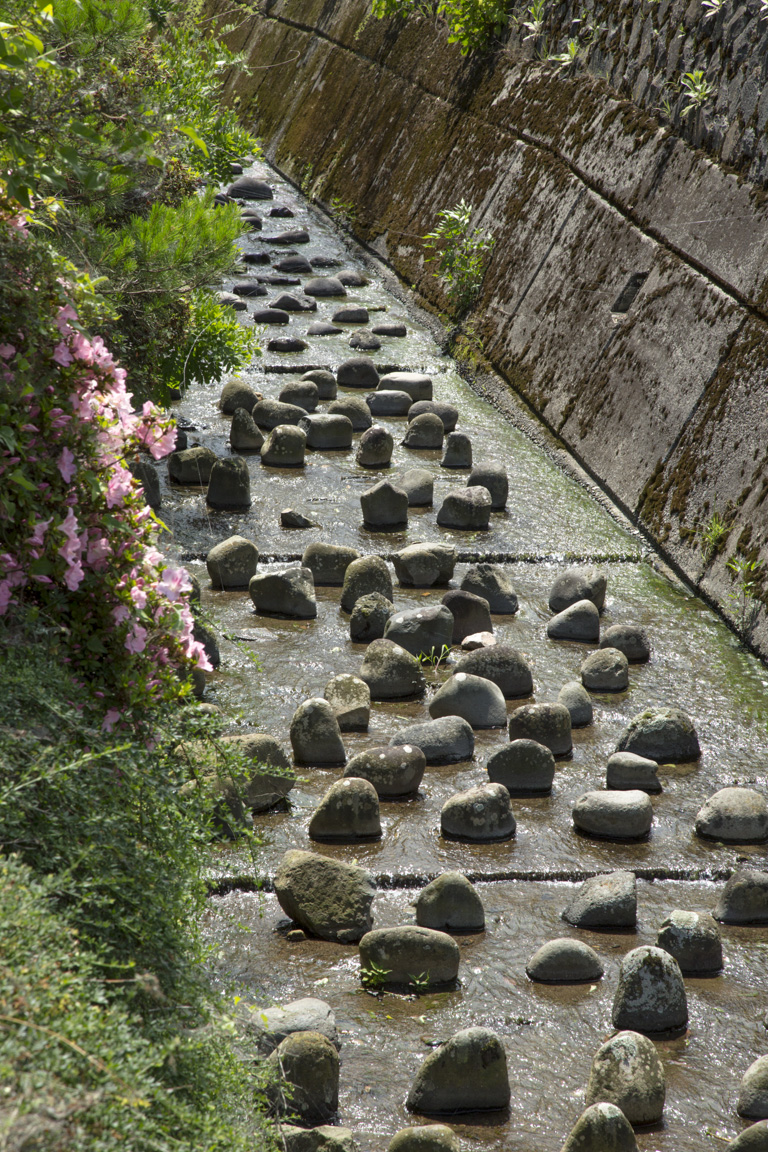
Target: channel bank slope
627 298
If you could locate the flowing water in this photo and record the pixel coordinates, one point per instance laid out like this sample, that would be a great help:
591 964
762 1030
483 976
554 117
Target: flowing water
271 665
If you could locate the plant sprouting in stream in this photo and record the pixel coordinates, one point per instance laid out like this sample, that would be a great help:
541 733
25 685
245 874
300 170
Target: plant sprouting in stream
744 596
373 977
462 253
434 658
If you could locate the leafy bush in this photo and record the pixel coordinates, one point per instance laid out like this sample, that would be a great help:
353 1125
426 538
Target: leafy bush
471 23
463 254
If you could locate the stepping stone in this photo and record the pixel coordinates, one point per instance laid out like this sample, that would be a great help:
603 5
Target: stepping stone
625 770
229 485
364 342
470 614
481 813
651 994
576 699
232 562
244 435
581 621
147 476
350 279
356 411
478 640
375 448
359 372
369 618
326 897
263 789
423 565
608 901
236 394
524 768
391 673
348 812
284 447
693 938
290 592
324 286
457 452
626 1071
304 1078
601 1128
492 477
735 816
503 665
277 279
752 1139
629 639
281 211
295 264
315 735
421 630
426 431
350 315
328 563
449 740
490 582
547 724
323 328
418 485
296 236
272 1025
606 670
450 903
254 257
368 574
744 899
448 413
324 381
249 288
286 344
409 951
229 300
292 518
389 403
301 394
416 384
271 413
249 188
425 1138
480 702
661 734
626 815
384 506
327 432
324 262
287 302
271 316
393 772
469 510
565 961
753 1092
350 699
468 1073
578 584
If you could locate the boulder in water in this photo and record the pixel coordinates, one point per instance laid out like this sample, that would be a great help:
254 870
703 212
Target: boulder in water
391 673
468 1073
326 897
576 699
481 813
357 372
629 639
367 574
389 403
410 951
237 394
418 486
625 815
661 734
744 899
565 961
450 903
324 381
384 506
490 582
547 724
191 465
392 771
492 477
425 1138
753 1093
449 740
447 412
425 431
350 699
626 1071
348 812
650 997
606 670
229 486
328 563
627 771
232 562
480 702
315 735
608 901
301 393
470 614
272 1025
417 385
375 448
244 434
457 452
523 767
693 938
369 617
580 621
284 447
502 664
421 630
424 565
578 584
306 1078
469 510
355 409
601 1128
289 592
735 816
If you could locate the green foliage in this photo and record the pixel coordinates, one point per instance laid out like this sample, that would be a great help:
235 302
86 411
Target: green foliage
434 658
420 982
713 535
711 7
344 212
464 253
214 342
471 23
697 90
373 977
745 598
535 21
568 58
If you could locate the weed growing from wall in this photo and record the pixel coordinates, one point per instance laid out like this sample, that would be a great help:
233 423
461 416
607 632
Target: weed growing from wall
462 253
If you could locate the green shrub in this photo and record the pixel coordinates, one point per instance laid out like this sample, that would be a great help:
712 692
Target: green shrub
463 253
471 23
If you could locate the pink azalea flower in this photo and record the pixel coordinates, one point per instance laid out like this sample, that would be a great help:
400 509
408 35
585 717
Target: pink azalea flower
137 641
66 465
6 595
139 597
110 719
38 535
62 354
120 484
65 314
173 582
120 614
74 575
7 351
98 551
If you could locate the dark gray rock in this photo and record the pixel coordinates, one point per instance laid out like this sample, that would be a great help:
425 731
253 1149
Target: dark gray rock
523 767
468 1073
753 1091
503 665
244 434
147 476
608 901
249 188
295 263
324 286
650 997
315 735
693 938
358 372
384 506
327 432
470 614
284 447
447 412
350 699
367 574
576 699
349 277
426 431
323 328
351 314
207 638
229 485
301 394
565 961
271 316
286 344
369 617
661 734
389 403
625 770
626 1071
232 562
480 702
457 452
744 899
410 951
577 584
191 465
391 673
449 740
348 812
624 815
391 771
492 477
375 448
491 582
294 236
418 485
418 386
288 592
601 1128
547 724
262 789
581 621
328 563
469 510
323 380
237 394
481 813
735 816
421 630
325 897
364 341
272 1025
629 639
249 288
270 414
425 1138
229 300
305 1078
752 1139
356 411
450 903
424 565
390 329
606 670
255 258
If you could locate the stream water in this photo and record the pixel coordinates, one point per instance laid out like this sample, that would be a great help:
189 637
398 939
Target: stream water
551 1033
